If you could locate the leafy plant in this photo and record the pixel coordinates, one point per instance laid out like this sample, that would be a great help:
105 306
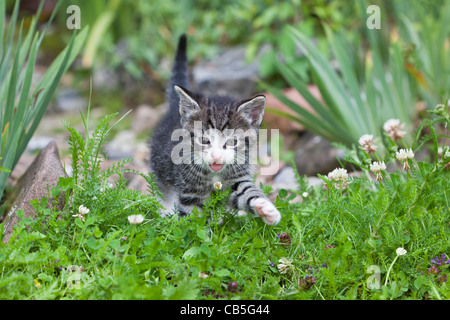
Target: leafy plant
93 187
22 105
324 247
424 30
350 107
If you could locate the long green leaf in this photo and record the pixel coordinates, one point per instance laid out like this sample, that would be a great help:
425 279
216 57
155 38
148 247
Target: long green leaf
49 83
8 162
340 101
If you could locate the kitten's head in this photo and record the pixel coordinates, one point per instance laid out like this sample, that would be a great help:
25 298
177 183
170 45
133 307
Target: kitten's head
220 126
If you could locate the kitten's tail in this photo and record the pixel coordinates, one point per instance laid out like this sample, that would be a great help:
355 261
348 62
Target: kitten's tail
179 73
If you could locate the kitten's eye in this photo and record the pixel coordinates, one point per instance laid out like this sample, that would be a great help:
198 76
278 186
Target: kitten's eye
231 143
203 141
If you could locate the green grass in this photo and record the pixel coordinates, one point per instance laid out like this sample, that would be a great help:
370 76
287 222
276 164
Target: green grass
335 244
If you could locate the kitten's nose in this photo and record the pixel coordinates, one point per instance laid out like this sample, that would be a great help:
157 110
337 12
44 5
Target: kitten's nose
216 156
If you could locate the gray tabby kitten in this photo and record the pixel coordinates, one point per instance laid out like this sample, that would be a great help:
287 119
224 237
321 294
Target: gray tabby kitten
214 153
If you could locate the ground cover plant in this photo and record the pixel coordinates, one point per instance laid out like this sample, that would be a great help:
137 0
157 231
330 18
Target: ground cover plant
381 234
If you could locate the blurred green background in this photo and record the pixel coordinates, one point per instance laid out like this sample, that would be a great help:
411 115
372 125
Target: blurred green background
138 37
404 67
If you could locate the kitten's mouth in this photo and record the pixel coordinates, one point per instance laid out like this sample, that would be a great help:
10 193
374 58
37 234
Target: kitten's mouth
216 166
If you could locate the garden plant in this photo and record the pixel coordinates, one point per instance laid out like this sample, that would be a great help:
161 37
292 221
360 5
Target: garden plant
377 227
381 235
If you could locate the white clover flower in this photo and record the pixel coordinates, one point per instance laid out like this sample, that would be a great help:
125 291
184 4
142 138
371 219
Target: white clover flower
446 154
400 251
203 275
136 219
391 124
218 185
305 194
285 265
338 174
365 139
403 155
83 210
377 167
393 129
79 216
367 142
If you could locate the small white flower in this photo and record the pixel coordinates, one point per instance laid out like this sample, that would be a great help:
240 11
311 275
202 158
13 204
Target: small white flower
79 216
218 185
446 154
393 128
403 155
83 210
203 275
338 174
285 265
368 143
391 124
400 251
365 139
305 194
136 219
377 167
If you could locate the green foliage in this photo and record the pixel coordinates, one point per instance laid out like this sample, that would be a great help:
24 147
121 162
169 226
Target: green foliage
93 187
23 105
137 35
337 243
351 106
424 30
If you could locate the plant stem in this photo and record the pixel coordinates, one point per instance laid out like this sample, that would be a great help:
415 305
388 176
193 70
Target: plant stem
81 240
131 240
389 271
384 213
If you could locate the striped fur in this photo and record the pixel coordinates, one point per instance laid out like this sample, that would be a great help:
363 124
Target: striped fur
188 184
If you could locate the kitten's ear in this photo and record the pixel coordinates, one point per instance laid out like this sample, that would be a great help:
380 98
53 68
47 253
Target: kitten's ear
187 104
253 110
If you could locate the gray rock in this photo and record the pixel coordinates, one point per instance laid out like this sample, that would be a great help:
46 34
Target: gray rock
317 155
147 117
45 170
122 146
285 179
228 73
69 100
38 143
104 79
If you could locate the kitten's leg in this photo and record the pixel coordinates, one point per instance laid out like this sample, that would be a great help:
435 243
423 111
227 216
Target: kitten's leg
246 196
169 203
187 202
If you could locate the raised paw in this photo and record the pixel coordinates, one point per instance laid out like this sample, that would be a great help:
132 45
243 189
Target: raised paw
266 210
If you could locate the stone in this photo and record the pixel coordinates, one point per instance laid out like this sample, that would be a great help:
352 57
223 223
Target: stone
146 117
70 100
316 155
227 74
285 179
38 143
45 171
122 146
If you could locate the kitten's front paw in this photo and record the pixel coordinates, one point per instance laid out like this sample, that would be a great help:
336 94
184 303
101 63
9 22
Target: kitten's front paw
266 210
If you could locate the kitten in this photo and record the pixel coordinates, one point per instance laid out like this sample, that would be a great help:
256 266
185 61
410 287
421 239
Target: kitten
211 150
